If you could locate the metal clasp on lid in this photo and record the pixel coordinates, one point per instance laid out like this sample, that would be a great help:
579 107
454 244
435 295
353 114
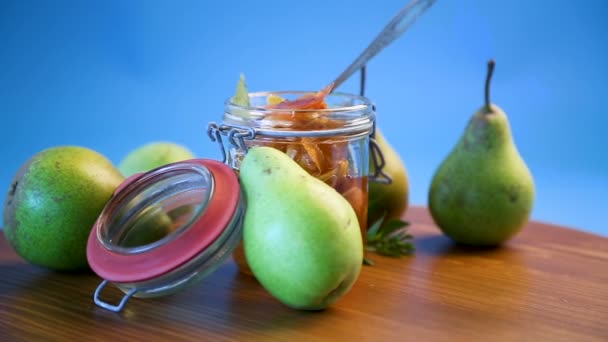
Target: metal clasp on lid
116 308
236 136
377 175
375 153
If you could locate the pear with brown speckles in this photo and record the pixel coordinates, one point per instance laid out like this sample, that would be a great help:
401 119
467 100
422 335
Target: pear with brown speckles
483 192
52 203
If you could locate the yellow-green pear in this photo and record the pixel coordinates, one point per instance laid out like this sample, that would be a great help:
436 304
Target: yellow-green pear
153 155
483 192
301 237
388 199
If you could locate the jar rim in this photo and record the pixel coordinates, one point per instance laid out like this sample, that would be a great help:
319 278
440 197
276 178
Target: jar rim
136 186
119 267
355 113
364 104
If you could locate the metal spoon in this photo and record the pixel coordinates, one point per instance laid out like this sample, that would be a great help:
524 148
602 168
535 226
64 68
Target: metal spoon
393 30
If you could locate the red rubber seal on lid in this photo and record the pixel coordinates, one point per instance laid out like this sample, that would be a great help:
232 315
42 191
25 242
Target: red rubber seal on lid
131 268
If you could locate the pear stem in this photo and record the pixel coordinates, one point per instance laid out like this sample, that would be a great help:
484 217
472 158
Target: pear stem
491 64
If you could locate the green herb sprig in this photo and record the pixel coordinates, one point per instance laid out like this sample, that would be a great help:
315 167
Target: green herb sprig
391 239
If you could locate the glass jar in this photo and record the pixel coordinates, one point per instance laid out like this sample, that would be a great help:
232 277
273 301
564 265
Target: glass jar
331 144
166 229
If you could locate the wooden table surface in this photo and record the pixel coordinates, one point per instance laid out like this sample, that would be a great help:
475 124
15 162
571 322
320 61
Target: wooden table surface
547 284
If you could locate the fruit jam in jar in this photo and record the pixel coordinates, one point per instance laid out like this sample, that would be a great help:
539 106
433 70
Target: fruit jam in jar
326 134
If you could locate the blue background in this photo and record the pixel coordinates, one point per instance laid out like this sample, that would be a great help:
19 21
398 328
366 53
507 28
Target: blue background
112 75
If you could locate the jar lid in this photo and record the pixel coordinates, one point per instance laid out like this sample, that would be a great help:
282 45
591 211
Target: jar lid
159 220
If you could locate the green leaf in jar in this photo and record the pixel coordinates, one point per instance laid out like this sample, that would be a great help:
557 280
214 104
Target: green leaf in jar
241 96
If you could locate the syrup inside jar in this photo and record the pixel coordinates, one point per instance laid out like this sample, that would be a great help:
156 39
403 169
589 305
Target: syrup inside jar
326 134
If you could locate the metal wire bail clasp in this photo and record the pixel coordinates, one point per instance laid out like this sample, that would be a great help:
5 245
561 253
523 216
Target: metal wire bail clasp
236 136
377 174
116 308
375 153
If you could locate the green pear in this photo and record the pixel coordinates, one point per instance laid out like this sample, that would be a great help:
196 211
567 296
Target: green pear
149 226
388 201
301 237
153 155
53 202
483 192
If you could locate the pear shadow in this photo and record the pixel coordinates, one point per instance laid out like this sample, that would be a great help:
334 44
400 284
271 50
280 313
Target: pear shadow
44 296
226 303
17 276
26 279
438 245
247 297
491 283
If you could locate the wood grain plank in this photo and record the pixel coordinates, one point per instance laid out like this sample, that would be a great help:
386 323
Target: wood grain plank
548 283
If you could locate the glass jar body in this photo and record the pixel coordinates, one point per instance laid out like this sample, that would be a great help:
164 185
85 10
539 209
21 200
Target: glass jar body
330 144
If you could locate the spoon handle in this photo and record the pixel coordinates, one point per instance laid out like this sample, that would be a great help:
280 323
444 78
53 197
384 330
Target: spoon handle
395 28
